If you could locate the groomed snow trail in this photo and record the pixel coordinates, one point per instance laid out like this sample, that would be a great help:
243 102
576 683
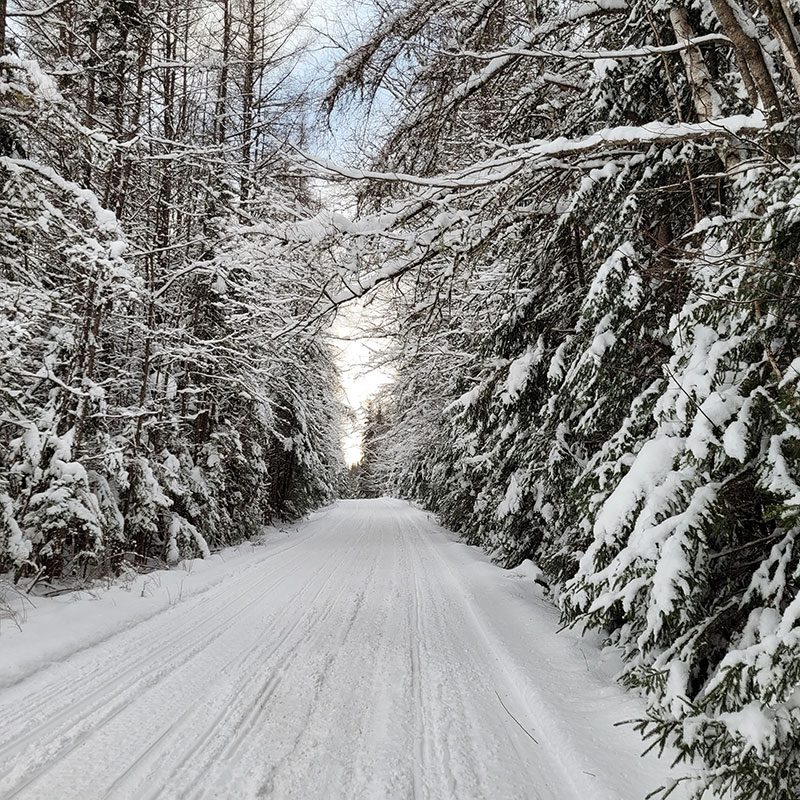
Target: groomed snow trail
369 657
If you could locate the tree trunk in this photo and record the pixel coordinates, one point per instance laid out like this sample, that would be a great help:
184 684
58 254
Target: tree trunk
751 62
786 35
222 87
248 90
3 12
707 101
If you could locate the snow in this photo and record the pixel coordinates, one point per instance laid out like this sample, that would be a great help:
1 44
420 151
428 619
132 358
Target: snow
43 84
468 398
780 479
502 167
792 373
713 413
512 501
555 371
519 372
752 724
19 548
595 6
117 248
652 464
105 220
527 569
603 61
734 440
367 655
613 265
603 339
55 628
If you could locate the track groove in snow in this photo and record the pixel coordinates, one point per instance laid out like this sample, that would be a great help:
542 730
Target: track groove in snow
362 661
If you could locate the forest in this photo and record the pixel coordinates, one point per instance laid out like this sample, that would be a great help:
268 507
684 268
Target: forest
577 225
153 400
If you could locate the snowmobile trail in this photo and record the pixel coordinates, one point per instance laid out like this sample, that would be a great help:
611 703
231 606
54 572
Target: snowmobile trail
373 658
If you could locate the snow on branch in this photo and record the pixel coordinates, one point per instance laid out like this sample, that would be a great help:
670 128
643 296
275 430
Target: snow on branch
106 220
595 7
37 12
499 169
646 51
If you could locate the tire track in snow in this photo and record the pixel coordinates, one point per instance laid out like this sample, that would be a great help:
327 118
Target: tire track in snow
246 720
421 747
474 673
292 654
356 664
559 780
56 691
338 638
451 685
143 678
81 729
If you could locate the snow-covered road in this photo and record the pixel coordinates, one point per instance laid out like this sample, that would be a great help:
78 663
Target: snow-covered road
369 656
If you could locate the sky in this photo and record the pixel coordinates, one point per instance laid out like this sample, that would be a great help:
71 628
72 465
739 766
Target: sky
335 28
361 379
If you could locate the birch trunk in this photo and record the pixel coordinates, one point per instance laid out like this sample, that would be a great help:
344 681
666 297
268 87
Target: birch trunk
786 34
707 102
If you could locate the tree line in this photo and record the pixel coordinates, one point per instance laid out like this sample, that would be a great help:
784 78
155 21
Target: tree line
153 402
587 216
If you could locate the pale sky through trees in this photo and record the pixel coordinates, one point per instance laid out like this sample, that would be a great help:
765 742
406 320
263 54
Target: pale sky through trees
329 28
360 379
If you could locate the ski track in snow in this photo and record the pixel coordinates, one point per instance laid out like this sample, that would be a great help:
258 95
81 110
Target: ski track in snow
366 660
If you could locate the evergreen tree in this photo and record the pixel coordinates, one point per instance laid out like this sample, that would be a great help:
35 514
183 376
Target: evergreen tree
587 213
372 481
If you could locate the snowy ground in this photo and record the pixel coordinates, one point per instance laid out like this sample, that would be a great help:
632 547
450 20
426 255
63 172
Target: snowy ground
367 656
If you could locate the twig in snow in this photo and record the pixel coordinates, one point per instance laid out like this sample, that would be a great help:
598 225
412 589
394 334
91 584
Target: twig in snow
524 729
35 580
